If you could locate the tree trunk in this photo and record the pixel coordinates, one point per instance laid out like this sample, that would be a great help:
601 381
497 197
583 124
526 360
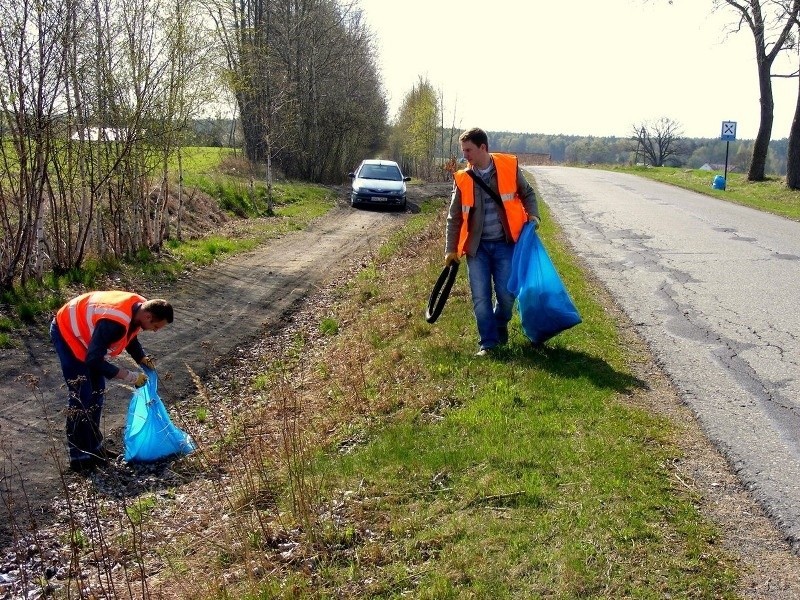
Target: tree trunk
793 157
758 164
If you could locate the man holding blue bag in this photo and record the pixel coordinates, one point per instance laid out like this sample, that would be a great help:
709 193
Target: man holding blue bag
490 204
86 330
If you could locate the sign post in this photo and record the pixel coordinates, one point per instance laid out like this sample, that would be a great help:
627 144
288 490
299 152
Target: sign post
729 135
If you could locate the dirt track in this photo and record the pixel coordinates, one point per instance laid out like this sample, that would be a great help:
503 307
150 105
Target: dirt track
217 309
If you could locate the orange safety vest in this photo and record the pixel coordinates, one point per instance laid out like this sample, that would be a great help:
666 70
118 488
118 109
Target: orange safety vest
515 215
77 319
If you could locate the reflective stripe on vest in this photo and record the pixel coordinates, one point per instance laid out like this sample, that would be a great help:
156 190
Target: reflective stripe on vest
506 167
465 186
77 319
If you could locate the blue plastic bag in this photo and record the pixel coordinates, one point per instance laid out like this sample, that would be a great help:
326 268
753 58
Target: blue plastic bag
545 307
149 432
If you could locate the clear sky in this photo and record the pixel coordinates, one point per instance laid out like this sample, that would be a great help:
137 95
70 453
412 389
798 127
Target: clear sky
582 67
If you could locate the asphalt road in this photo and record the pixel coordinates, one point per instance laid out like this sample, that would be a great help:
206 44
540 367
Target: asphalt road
713 287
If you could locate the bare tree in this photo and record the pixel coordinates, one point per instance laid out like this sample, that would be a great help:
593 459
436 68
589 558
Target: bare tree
770 22
94 97
793 150
793 155
31 64
658 140
306 84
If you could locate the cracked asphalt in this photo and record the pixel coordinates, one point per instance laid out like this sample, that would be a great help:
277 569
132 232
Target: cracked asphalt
713 288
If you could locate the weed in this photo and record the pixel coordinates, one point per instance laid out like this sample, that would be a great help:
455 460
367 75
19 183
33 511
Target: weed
140 509
329 326
78 539
261 382
6 324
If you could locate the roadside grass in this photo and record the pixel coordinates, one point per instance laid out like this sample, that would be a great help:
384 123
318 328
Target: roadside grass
295 206
227 176
771 195
531 473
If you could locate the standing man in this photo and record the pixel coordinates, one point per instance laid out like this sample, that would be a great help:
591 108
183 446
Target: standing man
83 332
491 202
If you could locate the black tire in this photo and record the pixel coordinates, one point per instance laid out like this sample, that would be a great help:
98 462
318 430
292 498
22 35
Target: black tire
440 292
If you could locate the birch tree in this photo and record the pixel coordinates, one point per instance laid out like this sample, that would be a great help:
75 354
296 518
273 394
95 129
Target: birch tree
32 63
417 127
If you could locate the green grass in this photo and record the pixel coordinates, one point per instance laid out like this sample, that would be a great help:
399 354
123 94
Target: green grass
296 204
138 510
524 475
6 341
208 249
771 195
27 302
199 161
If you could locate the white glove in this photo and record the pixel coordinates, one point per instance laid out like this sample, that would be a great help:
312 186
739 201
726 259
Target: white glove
136 378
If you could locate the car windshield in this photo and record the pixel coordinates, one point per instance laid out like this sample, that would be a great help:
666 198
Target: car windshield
386 172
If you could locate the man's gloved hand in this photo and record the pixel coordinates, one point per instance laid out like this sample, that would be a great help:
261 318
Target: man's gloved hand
149 362
136 378
450 258
535 220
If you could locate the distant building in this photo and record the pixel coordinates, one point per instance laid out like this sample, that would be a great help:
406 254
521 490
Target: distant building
716 167
101 134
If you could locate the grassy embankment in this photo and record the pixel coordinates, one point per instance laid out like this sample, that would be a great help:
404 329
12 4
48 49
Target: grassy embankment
534 473
770 195
214 171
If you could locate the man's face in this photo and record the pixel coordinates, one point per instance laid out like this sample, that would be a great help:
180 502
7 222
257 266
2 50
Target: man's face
149 323
475 155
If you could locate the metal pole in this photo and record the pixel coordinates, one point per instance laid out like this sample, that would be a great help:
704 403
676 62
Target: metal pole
727 147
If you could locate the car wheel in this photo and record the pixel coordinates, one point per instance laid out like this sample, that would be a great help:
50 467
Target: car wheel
353 202
404 205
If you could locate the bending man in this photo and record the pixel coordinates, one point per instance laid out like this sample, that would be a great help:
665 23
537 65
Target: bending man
85 330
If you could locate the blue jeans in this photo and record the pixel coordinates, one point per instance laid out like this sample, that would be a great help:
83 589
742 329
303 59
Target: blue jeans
491 267
86 396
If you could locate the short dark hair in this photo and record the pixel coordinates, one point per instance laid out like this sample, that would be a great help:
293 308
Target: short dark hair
160 309
476 135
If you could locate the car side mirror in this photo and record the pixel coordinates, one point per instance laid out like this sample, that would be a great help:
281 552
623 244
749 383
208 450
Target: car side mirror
351 175
406 178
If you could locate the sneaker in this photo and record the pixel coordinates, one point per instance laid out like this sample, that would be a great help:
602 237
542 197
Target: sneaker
483 351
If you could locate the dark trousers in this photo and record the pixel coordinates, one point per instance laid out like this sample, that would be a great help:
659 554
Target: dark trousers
85 404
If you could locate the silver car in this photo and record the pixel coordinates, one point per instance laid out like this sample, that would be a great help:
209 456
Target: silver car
378 182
